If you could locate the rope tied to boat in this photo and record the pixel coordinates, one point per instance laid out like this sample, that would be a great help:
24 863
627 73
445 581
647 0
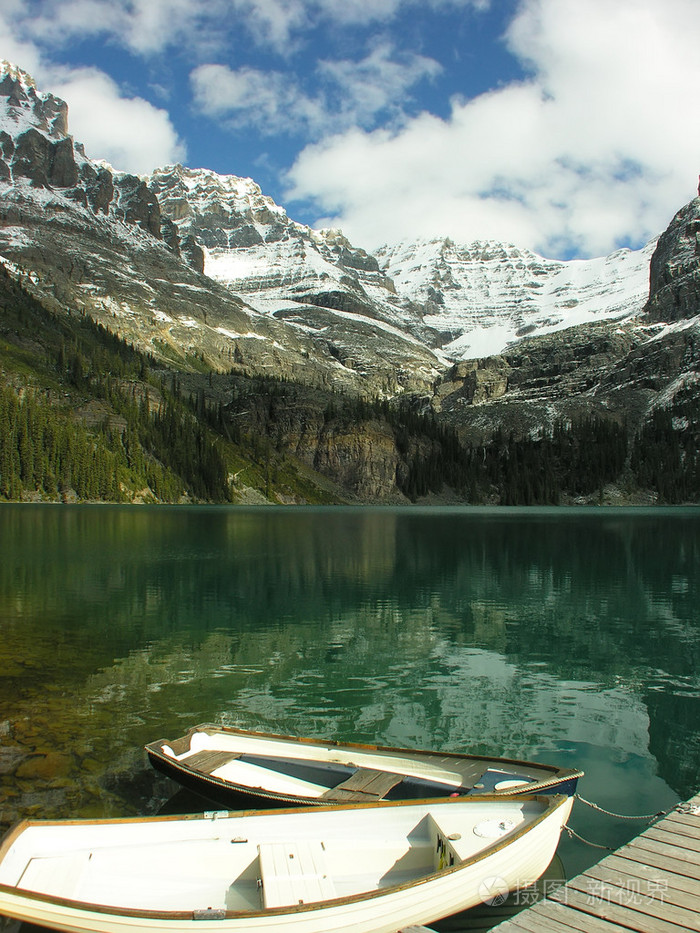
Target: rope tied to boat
686 808
574 835
690 809
649 817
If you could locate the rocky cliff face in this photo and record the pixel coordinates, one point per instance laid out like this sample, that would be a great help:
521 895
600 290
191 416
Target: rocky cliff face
361 458
286 269
674 275
35 146
252 245
30 107
624 370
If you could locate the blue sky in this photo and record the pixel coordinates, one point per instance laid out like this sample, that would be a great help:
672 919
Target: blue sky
566 126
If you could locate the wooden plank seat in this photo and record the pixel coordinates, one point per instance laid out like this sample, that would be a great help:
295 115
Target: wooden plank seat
55 874
178 746
207 761
364 784
294 873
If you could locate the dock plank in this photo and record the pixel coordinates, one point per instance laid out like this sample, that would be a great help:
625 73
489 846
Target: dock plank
665 853
649 885
630 918
673 838
682 823
648 889
662 872
651 856
566 920
525 923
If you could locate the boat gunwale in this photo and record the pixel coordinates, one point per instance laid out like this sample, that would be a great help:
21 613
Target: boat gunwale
551 802
155 749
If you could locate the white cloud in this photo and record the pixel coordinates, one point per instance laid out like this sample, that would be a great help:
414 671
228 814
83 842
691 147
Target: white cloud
152 26
280 24
129 133
273 23
144 26
599 146
269 101
377 83
14 48
350 92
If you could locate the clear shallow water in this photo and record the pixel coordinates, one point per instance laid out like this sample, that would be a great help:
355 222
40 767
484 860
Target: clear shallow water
567 636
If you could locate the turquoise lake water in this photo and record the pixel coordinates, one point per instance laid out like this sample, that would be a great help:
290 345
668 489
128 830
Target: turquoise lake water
566 636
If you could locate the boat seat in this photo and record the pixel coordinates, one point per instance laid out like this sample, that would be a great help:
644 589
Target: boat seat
177 747
294 873
57 875
449 846
208 761
365 784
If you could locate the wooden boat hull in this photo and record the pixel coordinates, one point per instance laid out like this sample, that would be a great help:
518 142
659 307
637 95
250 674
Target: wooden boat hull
363 868
236 767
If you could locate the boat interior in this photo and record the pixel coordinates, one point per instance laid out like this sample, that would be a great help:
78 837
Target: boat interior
318 770
247 863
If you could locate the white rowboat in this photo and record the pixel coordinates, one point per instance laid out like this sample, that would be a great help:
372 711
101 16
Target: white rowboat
227 765
360 868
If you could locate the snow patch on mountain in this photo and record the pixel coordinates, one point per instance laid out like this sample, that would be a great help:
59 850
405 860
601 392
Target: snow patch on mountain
484 296
268 265
255 249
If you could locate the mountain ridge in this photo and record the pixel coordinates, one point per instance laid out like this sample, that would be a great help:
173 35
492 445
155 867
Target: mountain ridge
464 302
488 295
472 300
99 242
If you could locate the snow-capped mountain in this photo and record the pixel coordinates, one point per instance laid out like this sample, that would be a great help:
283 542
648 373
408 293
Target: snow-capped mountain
280 266
486 296
188 262
94 240
23 107
468 300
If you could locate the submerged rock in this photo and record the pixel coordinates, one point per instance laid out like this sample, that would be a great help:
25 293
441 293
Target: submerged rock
10 759
45 767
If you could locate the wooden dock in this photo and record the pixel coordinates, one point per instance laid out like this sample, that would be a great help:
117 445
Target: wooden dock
650 885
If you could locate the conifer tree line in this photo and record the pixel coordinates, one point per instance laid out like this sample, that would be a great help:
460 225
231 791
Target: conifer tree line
574 459
577 458
666 453
167 451
162 447
41 451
